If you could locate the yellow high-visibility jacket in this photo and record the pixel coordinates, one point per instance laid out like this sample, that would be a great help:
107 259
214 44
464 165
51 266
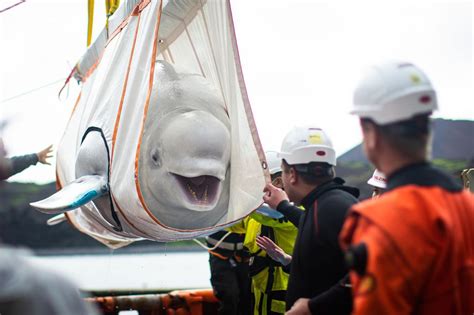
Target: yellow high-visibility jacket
269 296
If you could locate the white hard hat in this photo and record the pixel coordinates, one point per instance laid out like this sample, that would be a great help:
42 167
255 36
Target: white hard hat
378 180
394 91
303 145
273 162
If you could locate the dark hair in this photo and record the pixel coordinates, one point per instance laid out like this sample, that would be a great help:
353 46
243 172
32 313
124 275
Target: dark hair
275 176
408 137
314 173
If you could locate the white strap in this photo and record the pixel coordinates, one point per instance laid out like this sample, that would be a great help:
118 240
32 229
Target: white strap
215 246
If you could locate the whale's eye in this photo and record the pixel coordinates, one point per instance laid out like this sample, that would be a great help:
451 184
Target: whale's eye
155 158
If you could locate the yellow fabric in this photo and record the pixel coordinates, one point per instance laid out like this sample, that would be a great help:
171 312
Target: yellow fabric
110 7
285 232
240 227
262 298
285 237
253 229
278 306
280 280
90 20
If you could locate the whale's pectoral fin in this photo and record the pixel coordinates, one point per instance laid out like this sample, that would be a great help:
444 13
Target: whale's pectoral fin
74 195
269 212
56 219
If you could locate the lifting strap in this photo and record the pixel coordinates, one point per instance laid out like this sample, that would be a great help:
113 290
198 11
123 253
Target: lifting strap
110 7
90 20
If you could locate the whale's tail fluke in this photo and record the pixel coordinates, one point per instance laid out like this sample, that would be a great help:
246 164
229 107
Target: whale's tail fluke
74 195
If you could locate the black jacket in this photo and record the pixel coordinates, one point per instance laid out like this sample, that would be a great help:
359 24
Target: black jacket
232 245
318 266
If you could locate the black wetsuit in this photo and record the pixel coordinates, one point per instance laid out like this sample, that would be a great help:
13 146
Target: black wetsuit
230 273
318 268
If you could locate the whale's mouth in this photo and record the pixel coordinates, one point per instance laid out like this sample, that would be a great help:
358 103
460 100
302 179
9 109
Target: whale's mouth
201 191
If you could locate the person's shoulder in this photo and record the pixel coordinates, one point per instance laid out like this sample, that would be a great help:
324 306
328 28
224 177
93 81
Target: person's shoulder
333 208
339 197
397 201
408 210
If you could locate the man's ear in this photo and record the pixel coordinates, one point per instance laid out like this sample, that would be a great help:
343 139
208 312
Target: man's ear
293 176
370 134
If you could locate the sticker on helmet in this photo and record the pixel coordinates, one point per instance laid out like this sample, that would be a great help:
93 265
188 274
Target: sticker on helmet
315 139
425 99
415 78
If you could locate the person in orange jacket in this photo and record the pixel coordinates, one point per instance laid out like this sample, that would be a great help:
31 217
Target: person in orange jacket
411 251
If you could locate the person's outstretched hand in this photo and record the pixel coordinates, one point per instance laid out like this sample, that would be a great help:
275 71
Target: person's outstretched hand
273 250
274 195
300 307
45 154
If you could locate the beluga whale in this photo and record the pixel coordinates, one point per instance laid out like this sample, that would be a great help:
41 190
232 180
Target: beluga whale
183 163
161 143
185 156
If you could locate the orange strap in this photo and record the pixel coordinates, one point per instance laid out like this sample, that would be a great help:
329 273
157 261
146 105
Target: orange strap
218 255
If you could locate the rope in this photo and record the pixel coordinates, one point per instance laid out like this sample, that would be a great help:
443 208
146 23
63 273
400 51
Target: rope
12 6
71 74
215 246
30 91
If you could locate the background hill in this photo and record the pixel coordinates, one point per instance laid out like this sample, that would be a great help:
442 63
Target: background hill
453 140
453 150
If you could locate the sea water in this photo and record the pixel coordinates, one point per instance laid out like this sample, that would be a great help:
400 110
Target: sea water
134 272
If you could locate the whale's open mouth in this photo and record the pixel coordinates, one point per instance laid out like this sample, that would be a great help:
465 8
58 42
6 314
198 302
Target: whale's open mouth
201 192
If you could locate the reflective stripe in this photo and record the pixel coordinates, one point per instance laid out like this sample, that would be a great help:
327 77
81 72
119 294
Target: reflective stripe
225 245
278 306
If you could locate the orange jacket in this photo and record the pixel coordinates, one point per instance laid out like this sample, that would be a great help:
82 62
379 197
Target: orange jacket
412 250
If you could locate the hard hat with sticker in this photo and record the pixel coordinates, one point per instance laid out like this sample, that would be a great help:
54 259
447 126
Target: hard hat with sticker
392 92
303 145
378 180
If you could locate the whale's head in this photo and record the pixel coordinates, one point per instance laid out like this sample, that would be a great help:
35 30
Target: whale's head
185 153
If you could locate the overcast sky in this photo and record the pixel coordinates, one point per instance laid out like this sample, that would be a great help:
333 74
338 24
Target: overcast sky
301 60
